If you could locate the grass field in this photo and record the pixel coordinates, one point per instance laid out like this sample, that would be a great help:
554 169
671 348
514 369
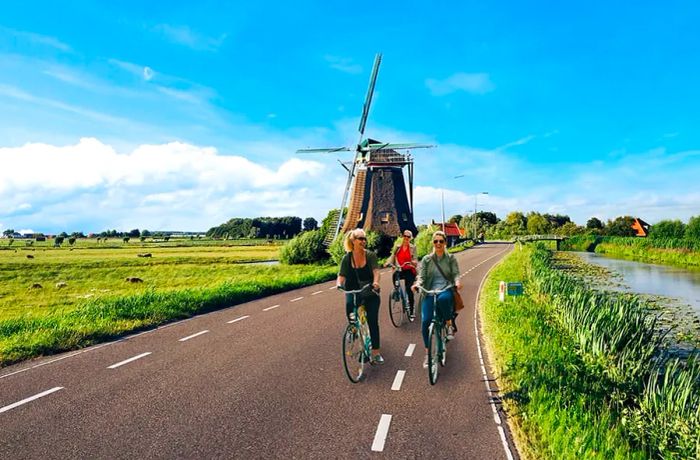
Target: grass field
85 297
90 272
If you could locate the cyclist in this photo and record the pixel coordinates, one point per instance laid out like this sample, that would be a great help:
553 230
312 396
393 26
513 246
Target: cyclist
405 257
438 270
358 268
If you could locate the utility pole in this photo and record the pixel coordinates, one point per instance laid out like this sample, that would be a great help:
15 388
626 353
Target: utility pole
474 216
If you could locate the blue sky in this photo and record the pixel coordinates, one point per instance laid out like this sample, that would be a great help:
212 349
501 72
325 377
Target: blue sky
137 115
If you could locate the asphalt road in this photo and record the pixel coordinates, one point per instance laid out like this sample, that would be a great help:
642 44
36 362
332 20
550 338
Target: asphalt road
261 380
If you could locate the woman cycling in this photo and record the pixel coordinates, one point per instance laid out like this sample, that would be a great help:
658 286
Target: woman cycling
438 270
359 268
405 257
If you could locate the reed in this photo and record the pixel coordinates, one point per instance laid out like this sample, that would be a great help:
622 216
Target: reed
622 346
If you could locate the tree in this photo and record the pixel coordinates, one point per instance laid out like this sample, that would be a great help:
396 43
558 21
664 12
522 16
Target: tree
621 226
488 217
516 223
667 229
456 219
135 233
71 240
692 230
9 232
537 224
594 224
310 224
569 229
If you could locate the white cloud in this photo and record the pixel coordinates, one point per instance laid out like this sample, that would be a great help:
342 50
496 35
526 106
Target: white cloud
89 186
475 83
33 38
183 35
343 64
16 93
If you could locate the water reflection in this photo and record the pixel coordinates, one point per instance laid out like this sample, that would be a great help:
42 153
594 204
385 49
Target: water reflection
663 280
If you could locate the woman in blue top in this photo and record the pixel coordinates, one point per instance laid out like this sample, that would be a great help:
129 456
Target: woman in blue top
432 278
359 268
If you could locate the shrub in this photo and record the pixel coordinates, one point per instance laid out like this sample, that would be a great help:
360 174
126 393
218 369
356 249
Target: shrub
424 241
337 249
305 248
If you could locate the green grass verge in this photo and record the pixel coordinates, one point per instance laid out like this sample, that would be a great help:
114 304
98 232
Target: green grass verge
558 411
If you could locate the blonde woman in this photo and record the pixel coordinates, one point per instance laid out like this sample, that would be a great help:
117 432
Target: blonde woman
438 270
359 268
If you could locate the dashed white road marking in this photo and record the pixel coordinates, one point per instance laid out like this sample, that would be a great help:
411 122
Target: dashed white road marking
127 361
332 288
297 299
29 399
317 293
382 431
398 380
184 339
271 308
410 349
237 319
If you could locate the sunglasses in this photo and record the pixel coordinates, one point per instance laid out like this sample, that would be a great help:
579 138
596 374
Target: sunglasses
361 238
407 236
438 241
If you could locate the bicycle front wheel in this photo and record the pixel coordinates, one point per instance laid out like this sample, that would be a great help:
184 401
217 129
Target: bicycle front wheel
396 310
353 354
433 353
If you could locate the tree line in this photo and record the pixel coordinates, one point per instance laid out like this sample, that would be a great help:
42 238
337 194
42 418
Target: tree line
262 227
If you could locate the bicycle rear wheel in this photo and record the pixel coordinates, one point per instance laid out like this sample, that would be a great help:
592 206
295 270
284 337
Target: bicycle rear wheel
396 310
354 358
443 346
433 353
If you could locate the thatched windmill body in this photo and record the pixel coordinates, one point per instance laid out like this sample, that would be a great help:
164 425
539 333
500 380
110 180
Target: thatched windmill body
379 197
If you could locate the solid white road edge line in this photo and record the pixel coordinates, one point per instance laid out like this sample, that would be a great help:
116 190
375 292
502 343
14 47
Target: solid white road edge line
192 336
127 361
499 425
382 431
410 349
237 319
398 380
31 398
271 308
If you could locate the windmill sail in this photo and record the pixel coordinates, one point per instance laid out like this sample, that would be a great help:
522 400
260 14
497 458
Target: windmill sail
377 192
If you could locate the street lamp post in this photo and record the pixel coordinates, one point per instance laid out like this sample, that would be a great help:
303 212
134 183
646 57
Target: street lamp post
476 196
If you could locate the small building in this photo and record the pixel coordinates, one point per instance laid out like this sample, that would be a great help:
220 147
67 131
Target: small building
641 227
454 234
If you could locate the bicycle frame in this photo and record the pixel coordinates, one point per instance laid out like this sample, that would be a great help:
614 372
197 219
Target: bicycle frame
356 329
398 315
437 332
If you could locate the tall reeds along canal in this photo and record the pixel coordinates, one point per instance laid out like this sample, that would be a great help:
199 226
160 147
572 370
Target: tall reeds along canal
589 373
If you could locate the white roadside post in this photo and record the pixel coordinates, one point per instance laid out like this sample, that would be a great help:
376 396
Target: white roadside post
502 291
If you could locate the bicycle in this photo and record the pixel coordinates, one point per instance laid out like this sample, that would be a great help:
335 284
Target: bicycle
437 337
357 344
399 309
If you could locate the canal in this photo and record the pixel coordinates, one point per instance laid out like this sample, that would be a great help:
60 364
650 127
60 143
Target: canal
679 288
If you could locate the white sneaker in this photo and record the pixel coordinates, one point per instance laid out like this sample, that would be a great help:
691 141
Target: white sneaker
450 333
425 362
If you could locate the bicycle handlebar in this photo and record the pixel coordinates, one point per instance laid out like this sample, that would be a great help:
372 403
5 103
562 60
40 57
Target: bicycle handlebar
396 267
435 291
356 291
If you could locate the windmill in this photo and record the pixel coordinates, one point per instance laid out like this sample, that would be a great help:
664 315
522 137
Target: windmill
378 200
